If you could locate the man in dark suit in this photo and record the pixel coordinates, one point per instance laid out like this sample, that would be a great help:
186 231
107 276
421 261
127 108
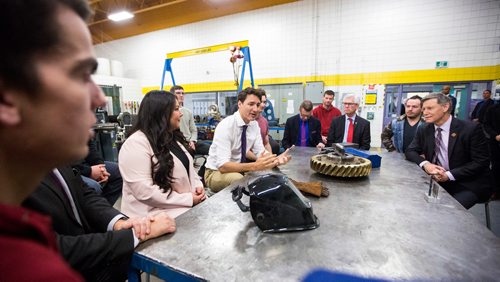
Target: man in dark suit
446 91
302 129
93 237
455 152
482 107
492 127
350 128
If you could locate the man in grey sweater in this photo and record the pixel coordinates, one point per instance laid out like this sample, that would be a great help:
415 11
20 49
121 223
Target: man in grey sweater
188 128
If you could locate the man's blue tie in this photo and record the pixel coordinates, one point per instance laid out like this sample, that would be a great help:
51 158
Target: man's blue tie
244 144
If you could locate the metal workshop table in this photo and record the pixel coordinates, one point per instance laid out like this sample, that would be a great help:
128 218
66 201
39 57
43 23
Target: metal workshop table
378 226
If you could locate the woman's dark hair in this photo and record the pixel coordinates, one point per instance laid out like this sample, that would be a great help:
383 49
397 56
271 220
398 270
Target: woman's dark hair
153 120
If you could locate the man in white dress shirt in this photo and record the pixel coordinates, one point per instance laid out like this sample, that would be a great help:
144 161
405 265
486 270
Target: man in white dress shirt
237 146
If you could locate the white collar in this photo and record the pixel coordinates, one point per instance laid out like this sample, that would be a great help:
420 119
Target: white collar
446 125
239 120
353 117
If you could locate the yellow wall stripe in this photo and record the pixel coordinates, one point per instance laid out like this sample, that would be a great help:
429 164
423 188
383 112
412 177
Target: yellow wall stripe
397 77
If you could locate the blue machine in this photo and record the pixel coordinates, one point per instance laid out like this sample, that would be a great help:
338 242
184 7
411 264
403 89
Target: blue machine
268 114
374 158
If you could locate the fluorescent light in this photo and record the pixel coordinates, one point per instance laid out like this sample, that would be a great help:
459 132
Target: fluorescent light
120 16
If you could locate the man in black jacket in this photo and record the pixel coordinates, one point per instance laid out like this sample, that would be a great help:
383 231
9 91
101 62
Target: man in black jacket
453 151
482 107
93 237
95 171
302 129
492 127
350 128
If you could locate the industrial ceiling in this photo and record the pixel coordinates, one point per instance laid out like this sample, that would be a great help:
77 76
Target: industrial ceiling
151 15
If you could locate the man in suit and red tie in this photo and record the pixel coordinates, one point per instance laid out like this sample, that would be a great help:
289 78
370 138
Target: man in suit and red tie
350 128
453 151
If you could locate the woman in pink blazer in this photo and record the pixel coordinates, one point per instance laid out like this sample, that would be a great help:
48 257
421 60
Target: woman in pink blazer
155 162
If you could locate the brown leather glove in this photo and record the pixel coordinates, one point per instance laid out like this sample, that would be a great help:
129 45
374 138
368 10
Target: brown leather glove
314 188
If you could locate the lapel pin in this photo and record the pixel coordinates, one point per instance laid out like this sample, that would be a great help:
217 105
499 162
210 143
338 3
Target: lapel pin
453 135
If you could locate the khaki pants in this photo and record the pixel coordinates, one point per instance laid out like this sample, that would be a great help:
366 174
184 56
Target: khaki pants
217 181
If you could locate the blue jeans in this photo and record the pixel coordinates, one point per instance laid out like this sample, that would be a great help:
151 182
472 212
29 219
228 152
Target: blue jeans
112 189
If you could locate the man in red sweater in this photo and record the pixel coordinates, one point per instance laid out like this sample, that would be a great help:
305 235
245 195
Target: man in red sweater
326 112
47 103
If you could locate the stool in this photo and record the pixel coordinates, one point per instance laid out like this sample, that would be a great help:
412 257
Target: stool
487 213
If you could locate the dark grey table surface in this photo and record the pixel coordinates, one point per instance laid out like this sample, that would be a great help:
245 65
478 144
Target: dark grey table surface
378 226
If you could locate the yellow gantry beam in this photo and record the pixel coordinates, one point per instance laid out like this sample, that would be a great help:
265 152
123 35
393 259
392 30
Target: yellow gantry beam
206 50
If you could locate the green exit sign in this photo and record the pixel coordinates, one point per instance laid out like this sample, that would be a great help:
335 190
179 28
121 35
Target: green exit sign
441 64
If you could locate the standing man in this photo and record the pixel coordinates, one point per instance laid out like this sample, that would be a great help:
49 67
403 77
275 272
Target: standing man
302 129
236 139
404 128
188 128
325 113
492 127
482 107
47 103
453 151
350 128
446 91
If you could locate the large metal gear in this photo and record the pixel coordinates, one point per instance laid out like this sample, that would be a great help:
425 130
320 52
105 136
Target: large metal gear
341 165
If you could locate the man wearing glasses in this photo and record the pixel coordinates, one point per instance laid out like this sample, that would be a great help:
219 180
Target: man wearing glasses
350 128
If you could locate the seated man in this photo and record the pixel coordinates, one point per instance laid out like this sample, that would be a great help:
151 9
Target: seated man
350 128
404 128
453 151
236 138
93 237
302 129
269 143
95 171
188 128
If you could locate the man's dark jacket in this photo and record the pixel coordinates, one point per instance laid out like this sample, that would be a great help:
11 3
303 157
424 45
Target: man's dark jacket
481 109
361 132
88 247
292 131
93 158
467 156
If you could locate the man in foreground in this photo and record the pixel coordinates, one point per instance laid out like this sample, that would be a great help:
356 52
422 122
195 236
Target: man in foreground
47 102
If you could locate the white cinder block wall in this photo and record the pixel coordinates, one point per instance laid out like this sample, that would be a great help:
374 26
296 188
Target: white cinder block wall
323 37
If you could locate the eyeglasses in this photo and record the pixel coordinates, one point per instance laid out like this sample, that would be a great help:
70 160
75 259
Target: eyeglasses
349 104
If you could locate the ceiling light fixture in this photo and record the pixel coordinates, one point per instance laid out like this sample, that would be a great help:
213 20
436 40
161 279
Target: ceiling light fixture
120 16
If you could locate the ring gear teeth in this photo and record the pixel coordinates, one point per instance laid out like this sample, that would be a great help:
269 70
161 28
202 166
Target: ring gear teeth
331 165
